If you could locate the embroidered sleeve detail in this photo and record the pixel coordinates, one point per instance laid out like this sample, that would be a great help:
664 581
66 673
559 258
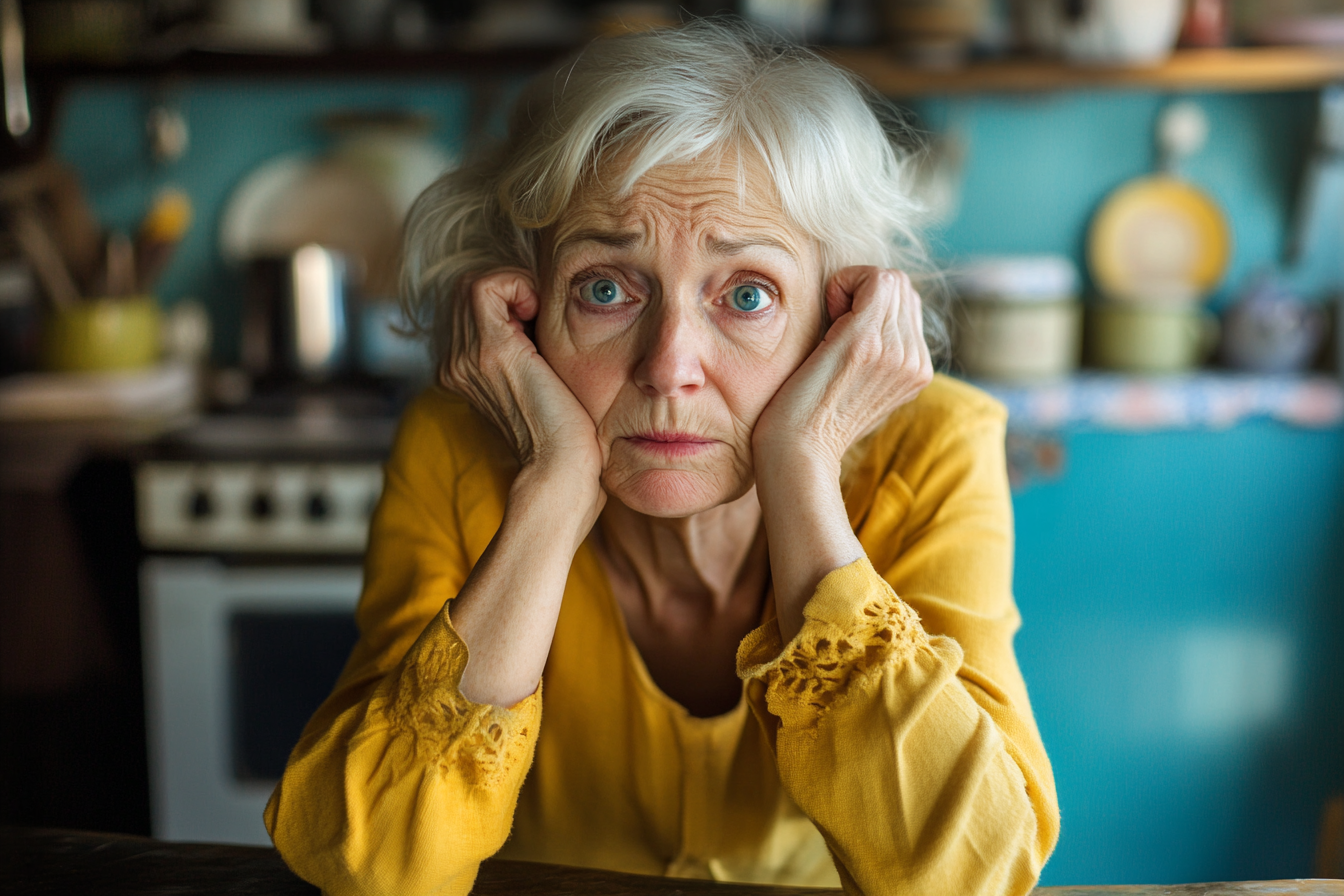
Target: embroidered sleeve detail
481 743
854 626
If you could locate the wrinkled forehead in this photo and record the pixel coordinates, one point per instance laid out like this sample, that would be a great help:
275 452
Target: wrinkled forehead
724 198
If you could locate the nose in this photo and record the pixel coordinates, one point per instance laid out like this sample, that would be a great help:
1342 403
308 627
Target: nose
674 347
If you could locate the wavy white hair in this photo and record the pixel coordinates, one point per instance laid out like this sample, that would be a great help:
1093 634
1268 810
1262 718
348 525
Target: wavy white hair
698 91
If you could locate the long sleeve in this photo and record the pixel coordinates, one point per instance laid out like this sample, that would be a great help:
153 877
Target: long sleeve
898 715
399 784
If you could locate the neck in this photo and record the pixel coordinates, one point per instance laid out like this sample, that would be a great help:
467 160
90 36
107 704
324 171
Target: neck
699 559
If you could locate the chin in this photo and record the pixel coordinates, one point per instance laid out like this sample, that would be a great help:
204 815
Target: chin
670 493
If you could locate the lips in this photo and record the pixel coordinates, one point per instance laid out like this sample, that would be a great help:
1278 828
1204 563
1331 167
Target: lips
670 444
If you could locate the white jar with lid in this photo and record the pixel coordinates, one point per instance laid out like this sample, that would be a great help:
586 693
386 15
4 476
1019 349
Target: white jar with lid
1019 318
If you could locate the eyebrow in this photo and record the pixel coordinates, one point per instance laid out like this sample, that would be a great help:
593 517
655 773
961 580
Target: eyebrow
736 247
623 239
626 239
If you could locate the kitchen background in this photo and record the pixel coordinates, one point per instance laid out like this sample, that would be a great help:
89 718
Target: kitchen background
1180 561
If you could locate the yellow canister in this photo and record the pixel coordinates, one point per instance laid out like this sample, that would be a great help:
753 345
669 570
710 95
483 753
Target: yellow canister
120 333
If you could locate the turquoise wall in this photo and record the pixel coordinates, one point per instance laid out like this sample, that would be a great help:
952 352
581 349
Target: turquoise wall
1040 165
1182 592
1183 604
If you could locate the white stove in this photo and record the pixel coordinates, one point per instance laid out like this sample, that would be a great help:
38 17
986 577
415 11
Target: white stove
302 484
255 526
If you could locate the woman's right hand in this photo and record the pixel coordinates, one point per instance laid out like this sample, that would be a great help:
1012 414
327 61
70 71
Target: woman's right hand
507 609
497 368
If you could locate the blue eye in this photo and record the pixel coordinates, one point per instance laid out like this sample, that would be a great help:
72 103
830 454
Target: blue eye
601 292
749 298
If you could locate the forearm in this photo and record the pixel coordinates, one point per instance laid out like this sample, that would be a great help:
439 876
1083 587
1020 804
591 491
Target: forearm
507 610
807 527
867 713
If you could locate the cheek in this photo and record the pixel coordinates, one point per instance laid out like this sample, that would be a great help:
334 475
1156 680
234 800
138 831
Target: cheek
749 379
594 376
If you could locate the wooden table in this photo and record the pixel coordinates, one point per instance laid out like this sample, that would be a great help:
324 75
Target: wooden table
56 863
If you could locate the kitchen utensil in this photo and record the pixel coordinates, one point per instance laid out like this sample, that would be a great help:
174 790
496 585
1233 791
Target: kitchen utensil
1151 338
120 333
41 251
295 200
1020 318
1321 192
297 316
1270 330
53 192
162 229
119 270
1105 32
1158 239
18 116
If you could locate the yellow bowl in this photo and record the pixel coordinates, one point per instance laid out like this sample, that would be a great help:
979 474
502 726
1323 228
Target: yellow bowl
102 334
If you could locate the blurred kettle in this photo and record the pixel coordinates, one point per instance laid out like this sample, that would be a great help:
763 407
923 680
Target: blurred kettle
297 315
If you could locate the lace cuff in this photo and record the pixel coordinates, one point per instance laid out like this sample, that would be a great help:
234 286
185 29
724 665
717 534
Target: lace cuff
854 626
480 743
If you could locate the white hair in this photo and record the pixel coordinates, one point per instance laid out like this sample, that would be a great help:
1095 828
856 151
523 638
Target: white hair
699 91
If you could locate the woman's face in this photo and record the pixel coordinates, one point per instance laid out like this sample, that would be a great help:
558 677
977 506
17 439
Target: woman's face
674 314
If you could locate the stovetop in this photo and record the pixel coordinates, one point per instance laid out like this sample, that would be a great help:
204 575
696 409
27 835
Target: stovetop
292 425
286 472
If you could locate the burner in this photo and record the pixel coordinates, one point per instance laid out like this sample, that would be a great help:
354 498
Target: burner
288 472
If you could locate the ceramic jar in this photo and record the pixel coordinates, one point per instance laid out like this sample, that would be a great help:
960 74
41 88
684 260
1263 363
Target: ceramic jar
1019 318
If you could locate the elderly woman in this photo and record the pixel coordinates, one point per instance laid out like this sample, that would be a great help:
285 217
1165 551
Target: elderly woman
690 468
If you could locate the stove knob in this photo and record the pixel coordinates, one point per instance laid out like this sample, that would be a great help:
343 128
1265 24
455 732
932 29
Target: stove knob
318 507
200 506
262 507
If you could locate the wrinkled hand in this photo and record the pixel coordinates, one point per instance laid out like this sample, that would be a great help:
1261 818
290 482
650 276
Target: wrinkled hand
872 360
497 368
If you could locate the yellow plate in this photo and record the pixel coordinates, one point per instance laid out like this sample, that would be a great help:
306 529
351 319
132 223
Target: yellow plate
1158 238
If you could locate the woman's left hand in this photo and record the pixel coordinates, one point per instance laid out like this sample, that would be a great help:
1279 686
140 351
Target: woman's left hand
872 360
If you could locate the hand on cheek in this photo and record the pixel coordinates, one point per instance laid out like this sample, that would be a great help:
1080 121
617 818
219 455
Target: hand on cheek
498 369
872 360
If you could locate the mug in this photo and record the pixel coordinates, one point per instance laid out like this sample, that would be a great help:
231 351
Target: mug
1144 338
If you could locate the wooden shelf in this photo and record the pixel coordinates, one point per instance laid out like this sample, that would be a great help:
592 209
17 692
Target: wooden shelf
337 63
1241 70
1259 69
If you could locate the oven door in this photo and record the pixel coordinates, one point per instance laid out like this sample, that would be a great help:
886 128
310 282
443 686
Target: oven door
237 658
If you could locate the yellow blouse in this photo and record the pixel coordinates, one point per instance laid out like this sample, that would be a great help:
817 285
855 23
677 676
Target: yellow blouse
888 748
